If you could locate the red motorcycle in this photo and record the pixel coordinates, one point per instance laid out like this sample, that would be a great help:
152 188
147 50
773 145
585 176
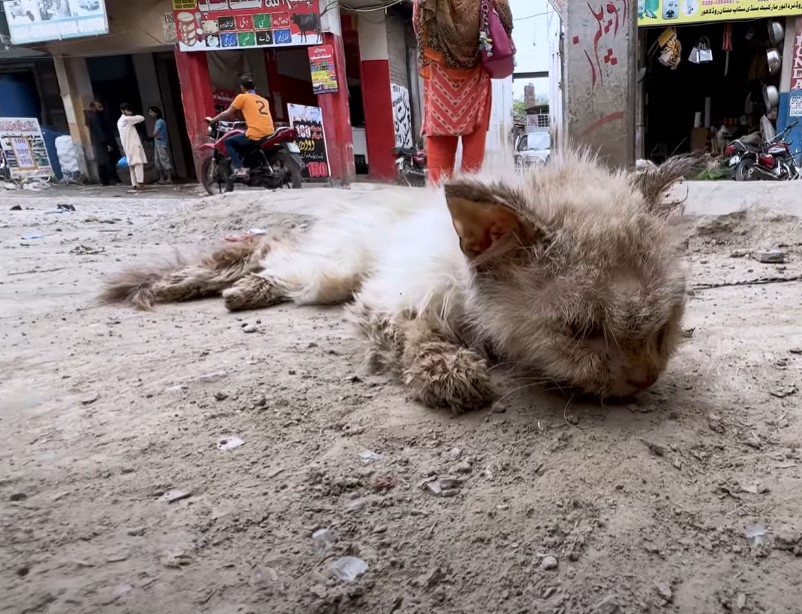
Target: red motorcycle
272 162
773 161
411 165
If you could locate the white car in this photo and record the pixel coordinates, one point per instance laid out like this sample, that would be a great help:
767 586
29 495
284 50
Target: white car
532 149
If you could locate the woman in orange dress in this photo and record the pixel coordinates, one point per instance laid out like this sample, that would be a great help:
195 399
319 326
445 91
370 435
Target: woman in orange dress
457 95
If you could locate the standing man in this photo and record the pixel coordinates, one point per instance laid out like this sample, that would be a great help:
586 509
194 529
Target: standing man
256 112
104 143
132 146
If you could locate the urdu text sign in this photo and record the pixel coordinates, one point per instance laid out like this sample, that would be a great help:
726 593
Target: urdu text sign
681 12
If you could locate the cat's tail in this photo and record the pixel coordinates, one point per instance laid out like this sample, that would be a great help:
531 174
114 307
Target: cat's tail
184 279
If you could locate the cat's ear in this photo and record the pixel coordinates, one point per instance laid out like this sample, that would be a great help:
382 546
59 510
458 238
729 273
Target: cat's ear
655 181
482 216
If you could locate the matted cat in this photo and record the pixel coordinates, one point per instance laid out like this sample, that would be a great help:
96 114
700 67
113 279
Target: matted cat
571 272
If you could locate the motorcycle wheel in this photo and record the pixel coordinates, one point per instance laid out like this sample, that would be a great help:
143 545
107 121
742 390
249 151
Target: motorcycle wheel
288 162
744 172
214 177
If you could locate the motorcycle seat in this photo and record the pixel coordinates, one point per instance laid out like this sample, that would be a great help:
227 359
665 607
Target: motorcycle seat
406 151
281 135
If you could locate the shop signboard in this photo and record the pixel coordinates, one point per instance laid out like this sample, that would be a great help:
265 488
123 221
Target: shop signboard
311 139
37 21
681 12
24 147
213 25
324 73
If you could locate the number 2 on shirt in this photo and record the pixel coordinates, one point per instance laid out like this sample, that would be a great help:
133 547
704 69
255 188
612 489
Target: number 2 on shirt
261 105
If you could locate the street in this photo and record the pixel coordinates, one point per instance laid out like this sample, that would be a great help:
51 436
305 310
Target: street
181 460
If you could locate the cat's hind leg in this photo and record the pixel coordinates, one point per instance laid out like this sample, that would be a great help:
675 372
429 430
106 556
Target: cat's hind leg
298 274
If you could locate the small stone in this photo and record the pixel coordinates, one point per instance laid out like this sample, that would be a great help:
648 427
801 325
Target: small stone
770 256
175 559
549 563
319 591
608 605
663 590
433 487
655 449
220 396
454 454
740 601
449 492
90 400
250 328
787 539
171 496
677 463
447 481
136 531
117 558
549 592
18 496
462 467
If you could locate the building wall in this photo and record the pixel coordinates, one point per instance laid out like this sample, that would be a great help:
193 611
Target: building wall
397 50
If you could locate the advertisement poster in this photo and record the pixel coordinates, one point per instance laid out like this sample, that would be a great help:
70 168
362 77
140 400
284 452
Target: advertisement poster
324 74
37 21
211 25
681 12
402 116
308 123
24 148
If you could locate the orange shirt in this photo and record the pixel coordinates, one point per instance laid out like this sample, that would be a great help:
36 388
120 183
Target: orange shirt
256 112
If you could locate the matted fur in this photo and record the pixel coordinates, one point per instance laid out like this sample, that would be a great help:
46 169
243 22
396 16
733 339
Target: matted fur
572 273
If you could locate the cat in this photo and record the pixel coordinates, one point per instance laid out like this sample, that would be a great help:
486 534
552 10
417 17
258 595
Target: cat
572 272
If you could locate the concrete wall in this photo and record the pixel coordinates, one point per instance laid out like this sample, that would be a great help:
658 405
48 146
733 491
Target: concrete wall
397 50
134 26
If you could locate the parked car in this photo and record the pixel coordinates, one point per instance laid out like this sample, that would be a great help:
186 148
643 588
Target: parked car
532 149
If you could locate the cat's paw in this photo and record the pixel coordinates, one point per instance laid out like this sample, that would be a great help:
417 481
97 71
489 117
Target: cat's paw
447 376
253 292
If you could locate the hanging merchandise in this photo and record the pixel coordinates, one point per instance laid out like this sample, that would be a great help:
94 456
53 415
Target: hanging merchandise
701 52
774 61
671 54
726 46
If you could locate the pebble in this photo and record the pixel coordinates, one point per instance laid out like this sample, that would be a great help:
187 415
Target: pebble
770 256
740 601
608 605
462 467
250 328
663 589
220 396
549 563
18 496
455 453
136 531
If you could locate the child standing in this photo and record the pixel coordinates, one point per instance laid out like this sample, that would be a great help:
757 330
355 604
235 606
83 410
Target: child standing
132 146
161 146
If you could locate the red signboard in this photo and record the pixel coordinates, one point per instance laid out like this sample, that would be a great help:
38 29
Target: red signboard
213 25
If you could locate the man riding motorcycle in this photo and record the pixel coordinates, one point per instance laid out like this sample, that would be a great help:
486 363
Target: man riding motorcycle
256 112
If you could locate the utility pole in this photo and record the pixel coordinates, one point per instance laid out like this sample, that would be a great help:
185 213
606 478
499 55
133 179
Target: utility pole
599 67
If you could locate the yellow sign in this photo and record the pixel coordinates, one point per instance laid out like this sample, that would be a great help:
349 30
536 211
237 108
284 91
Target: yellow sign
681 12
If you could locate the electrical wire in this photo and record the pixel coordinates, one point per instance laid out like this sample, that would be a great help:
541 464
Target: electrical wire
383 6
531 16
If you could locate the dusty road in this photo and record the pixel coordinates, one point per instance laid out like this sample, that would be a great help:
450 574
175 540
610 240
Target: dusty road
688 501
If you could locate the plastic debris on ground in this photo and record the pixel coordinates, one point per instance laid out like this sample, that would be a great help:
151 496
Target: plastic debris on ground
229 443
368 456
348 568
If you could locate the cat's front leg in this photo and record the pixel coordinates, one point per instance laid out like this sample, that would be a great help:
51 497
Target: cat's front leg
441 373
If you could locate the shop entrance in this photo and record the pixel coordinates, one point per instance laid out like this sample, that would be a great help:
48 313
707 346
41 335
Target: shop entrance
685 109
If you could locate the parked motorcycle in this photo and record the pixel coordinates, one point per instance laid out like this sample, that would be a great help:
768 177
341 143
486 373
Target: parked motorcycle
411 165
773 161
272 162
735 150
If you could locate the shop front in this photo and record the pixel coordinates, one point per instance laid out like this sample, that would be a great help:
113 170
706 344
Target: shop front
710 71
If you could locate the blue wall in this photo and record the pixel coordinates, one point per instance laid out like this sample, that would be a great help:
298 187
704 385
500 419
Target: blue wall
783 119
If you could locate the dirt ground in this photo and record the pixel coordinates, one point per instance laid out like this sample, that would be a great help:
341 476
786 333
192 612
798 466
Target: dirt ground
688 500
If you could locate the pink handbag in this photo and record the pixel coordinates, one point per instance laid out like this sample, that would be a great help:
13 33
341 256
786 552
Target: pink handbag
498 50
